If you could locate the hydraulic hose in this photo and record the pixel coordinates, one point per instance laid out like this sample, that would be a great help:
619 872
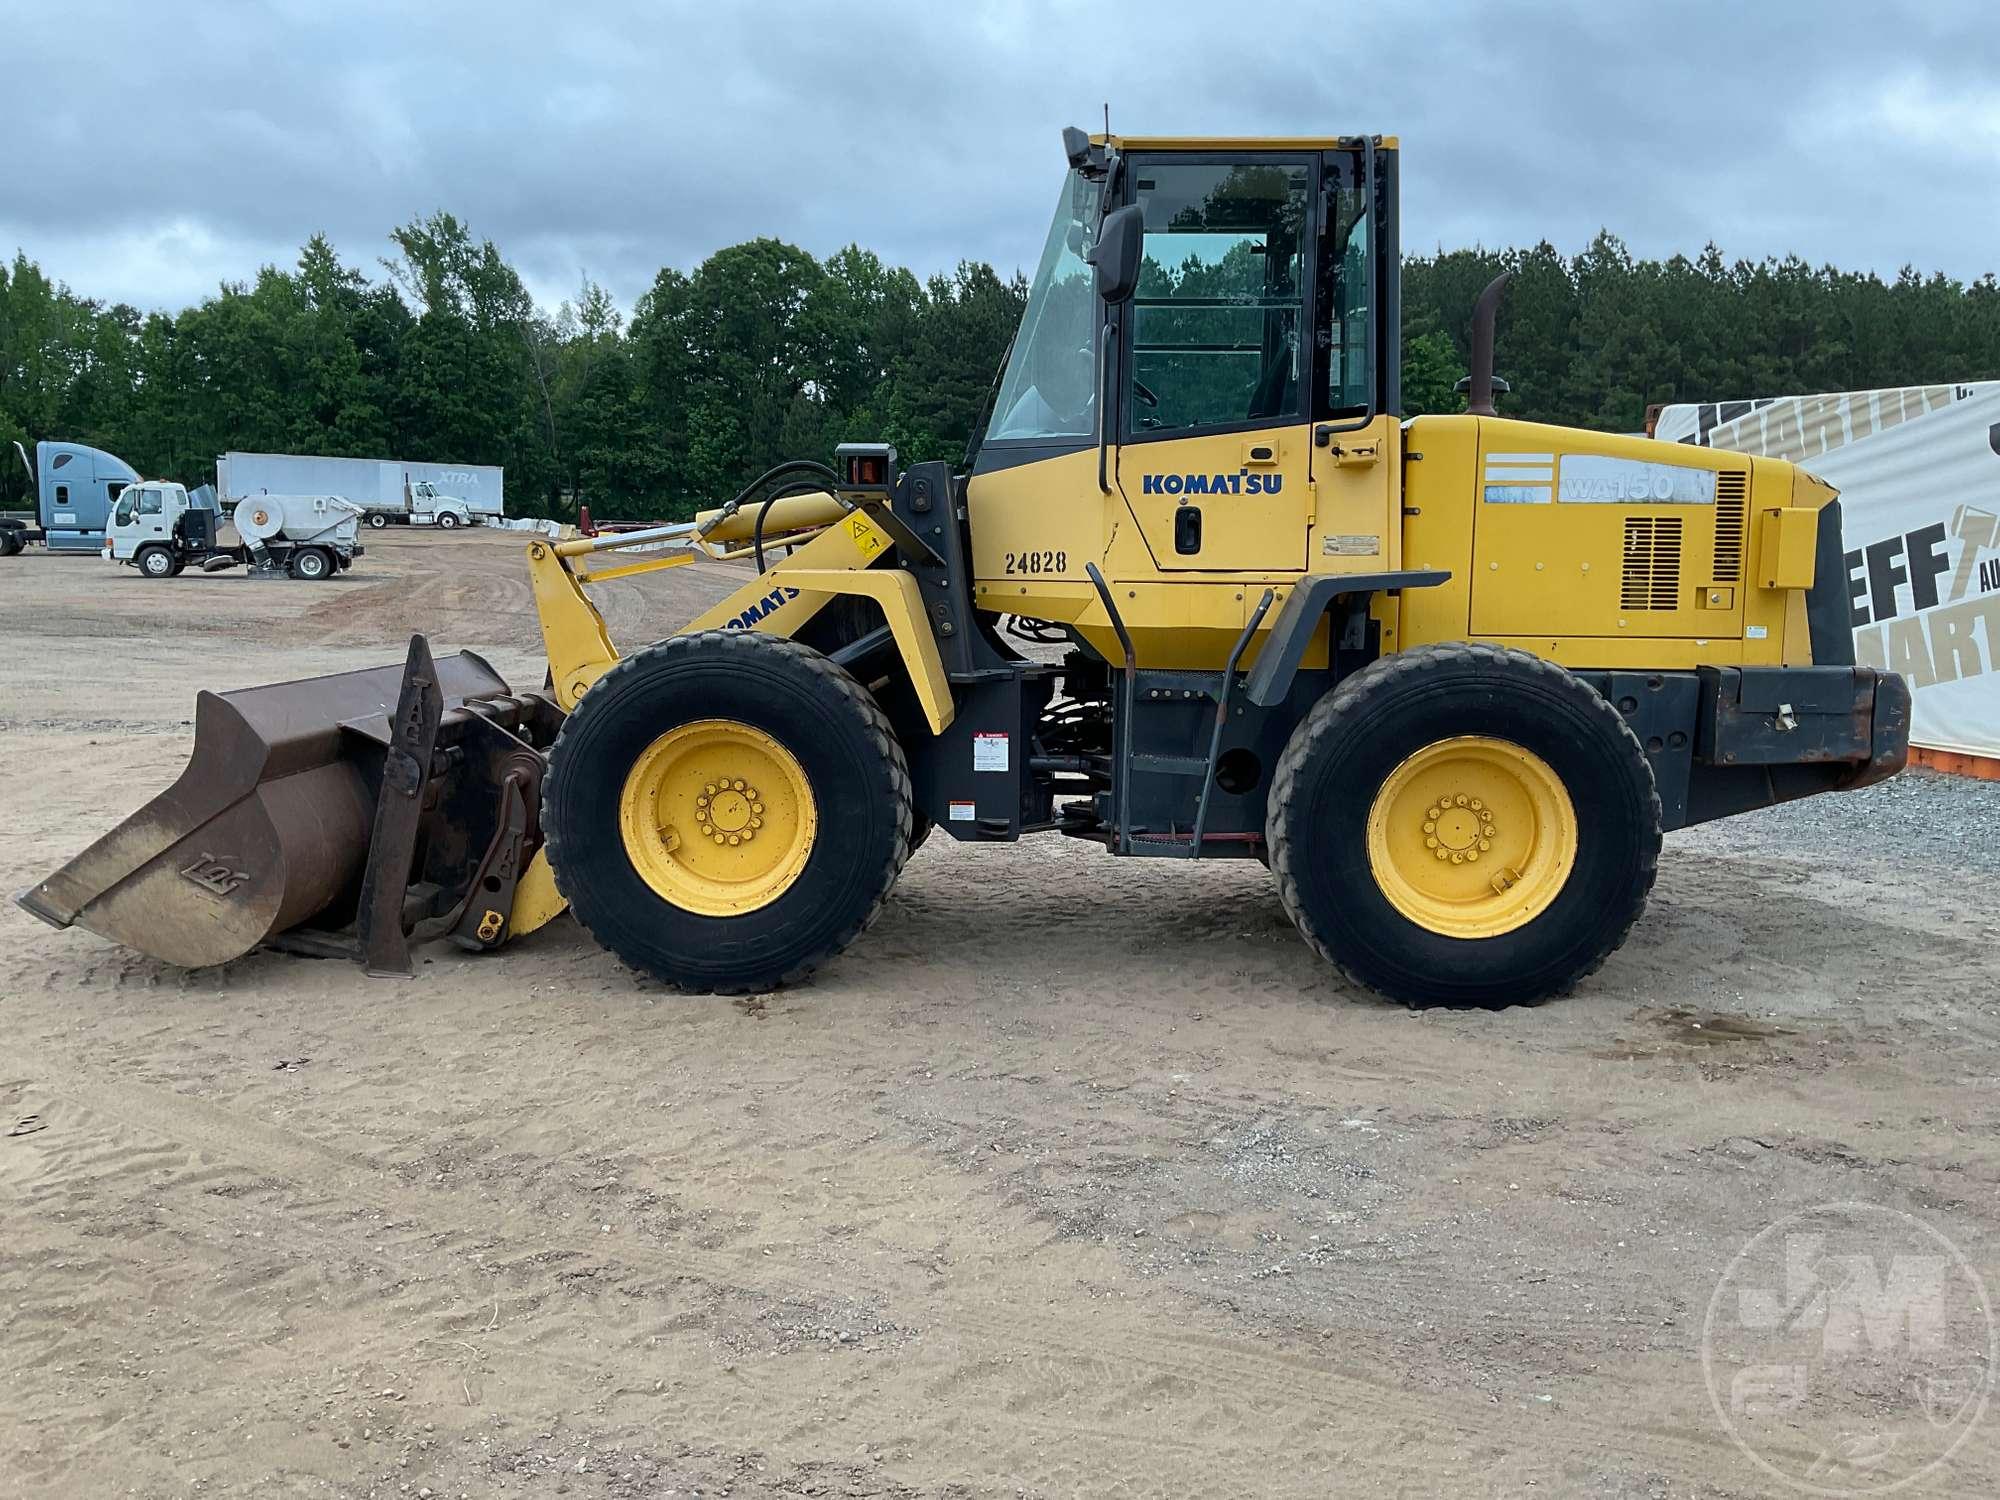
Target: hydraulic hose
764 509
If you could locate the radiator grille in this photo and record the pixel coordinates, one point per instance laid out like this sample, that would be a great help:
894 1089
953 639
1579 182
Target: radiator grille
1652 577
1732 514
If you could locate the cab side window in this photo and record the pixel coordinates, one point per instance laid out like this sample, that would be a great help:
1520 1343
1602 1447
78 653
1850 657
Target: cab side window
149 502
1217 320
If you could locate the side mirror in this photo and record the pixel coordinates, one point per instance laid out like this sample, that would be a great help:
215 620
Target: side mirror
1117 253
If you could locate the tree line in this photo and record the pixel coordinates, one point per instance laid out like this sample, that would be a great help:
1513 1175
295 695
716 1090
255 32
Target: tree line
764 352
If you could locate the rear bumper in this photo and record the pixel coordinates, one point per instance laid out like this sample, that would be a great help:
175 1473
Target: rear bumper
1846 716
1725 740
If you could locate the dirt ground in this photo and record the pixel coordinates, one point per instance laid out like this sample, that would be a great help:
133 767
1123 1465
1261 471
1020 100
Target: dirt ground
1075 1177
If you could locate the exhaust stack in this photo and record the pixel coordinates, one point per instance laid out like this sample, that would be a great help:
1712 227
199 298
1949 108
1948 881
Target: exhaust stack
1481 384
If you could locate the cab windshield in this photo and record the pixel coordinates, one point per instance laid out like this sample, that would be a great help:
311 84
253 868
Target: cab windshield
1050 387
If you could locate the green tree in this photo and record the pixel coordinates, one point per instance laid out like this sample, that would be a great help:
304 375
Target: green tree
1431 372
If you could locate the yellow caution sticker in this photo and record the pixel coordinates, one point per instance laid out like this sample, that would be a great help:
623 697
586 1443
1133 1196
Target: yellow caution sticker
866 539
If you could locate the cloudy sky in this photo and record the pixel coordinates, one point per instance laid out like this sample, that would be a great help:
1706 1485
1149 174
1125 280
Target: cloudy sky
156 147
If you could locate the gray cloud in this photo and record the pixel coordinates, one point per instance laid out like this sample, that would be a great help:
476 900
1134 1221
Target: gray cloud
164 148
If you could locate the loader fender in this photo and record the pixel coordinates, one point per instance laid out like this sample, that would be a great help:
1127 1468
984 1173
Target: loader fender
903 607
845 558
1278 663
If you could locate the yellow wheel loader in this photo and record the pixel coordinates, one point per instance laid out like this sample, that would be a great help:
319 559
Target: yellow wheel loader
1197 592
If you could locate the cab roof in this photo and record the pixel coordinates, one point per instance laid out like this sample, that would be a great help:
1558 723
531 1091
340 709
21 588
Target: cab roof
1238 142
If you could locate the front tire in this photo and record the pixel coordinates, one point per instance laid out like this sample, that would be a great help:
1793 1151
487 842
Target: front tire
1464 825
446 521
156 562
688 746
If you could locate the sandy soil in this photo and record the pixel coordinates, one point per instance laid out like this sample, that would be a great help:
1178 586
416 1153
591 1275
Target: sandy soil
1076 1177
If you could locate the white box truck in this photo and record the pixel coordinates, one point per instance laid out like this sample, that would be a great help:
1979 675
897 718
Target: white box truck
389 491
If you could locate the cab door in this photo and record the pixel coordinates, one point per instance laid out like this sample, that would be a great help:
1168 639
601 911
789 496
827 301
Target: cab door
121 526
154 522
1357 451
1215 439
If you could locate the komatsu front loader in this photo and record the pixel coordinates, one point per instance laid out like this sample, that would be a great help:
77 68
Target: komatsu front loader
1198 592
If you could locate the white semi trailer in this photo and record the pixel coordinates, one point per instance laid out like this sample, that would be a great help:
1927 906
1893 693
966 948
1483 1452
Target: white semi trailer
389 491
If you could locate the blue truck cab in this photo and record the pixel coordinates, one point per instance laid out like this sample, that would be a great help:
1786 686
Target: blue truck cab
75 489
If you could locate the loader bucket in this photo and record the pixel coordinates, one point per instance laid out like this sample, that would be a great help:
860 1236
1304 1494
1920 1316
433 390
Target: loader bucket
345 815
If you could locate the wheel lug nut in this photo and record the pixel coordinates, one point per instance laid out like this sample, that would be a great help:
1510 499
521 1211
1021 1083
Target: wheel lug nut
1430 826
719 839
1477 804
1460 799
1485 843
757 807
1442 855
711 789
737 784
734 841
1430 843
1472 856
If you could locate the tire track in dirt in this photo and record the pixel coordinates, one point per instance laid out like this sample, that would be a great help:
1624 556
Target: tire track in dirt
1301 1397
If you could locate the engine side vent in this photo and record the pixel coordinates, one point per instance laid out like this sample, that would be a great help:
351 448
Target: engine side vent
1732 515
1652 577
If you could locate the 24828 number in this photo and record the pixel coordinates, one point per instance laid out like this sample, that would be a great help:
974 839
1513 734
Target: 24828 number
1037 562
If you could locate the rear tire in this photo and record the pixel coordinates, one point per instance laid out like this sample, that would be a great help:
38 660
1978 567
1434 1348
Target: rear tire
1386 748
770 691
311 564
10 542
377 520
156 562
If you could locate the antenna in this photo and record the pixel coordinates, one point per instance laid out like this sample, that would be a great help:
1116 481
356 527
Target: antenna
1107 117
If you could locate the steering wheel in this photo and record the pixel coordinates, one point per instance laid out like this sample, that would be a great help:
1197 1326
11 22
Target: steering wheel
1146 397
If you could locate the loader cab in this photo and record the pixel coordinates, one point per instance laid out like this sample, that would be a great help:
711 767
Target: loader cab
1233 409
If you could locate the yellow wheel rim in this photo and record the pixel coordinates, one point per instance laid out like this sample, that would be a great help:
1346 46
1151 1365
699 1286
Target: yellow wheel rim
717 817
1472 837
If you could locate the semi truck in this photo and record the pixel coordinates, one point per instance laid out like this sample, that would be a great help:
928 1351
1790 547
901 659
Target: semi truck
158 528
75 488
389 491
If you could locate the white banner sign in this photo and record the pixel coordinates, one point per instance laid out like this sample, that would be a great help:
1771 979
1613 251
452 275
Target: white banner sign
1918 470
